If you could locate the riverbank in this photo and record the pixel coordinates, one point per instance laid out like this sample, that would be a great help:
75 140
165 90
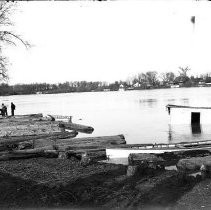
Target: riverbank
59 183
69 176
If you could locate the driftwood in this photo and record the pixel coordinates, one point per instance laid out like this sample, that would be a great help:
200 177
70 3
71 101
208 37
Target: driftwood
76 127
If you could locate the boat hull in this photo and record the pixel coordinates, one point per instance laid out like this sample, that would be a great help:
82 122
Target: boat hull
125 152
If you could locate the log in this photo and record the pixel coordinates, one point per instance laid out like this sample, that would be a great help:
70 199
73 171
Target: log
28 151
52 136
16 156
48 151
91 142
33 151
21 154
76 127
85 156
67 136
54 117
145 160
28 116
171 158
193 164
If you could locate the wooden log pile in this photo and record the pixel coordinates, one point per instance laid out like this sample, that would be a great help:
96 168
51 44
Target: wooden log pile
34 136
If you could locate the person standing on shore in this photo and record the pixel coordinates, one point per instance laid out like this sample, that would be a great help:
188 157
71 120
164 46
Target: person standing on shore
4 110
12 108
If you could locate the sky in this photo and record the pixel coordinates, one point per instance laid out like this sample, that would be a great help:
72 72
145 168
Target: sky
108 41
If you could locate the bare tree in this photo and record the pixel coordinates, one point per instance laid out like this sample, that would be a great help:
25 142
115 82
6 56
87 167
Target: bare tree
183 71
7 36
167 77
152 77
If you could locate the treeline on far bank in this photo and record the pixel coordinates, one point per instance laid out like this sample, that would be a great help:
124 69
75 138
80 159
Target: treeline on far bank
45 88
148 80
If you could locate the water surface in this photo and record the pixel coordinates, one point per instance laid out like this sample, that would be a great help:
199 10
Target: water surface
140 115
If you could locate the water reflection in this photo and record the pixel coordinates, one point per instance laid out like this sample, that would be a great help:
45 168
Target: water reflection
185 101
178 133
150 102
171 100
196 128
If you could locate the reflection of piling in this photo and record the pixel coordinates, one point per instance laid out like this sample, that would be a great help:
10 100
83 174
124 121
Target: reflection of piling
196 128
170 134
193 20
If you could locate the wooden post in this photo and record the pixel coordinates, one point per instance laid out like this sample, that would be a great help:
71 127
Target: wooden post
70 119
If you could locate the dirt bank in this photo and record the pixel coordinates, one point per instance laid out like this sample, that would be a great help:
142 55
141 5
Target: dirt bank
42 182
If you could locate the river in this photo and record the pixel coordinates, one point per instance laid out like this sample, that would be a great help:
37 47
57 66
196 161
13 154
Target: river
139 114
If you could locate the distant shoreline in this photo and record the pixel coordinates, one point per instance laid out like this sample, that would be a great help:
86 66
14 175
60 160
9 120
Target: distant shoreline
86 91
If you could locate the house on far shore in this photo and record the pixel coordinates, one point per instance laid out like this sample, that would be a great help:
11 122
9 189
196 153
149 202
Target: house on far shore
136 85
121 87
174 86
189 114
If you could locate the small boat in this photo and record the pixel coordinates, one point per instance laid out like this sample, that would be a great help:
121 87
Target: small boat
123 151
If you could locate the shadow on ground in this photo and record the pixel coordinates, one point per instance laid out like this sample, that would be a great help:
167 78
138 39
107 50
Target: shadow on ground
95 185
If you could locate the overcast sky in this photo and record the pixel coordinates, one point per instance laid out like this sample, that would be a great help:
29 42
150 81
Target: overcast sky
108 41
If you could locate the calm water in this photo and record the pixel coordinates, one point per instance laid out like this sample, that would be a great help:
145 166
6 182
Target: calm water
140 115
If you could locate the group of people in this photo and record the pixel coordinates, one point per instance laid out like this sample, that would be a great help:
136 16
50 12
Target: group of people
3 110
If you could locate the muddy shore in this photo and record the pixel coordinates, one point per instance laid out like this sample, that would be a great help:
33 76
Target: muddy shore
66 183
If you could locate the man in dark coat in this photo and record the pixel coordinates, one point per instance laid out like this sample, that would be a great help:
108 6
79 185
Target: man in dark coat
12 108
4 110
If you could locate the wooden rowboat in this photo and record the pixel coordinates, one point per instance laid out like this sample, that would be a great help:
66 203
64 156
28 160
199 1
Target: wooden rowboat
124 151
